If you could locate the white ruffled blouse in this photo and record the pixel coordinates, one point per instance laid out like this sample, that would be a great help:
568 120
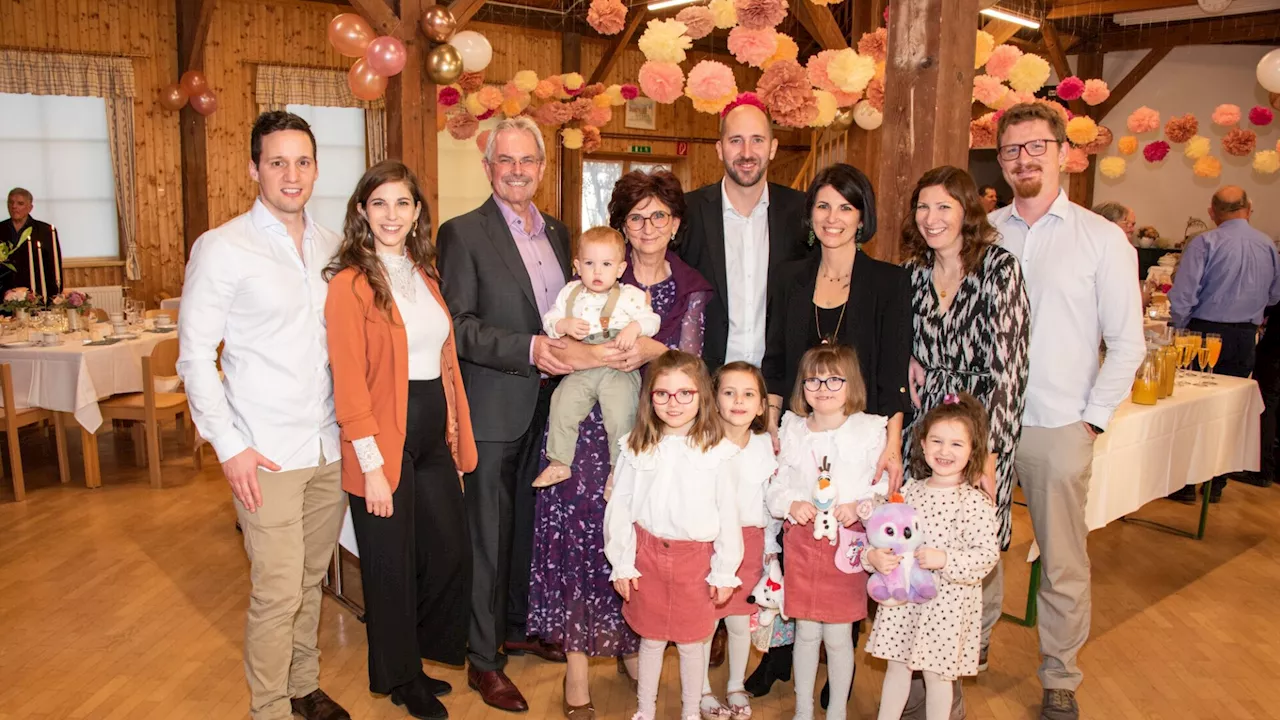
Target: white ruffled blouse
675 492
853 449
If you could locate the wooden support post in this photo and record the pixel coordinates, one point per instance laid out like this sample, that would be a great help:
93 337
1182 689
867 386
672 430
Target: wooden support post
463 10
821 25
193 26
928 92
618 46
1001 30
380 16
1058 58
411 107
1080 186
571 160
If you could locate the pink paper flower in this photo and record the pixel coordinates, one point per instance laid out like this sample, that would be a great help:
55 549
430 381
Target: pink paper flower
590 138
875 94
784 89
875 44
462 125
607 17
1002 60
1226 115
552 114
1101 142
1261 116
1154 152
1077 161
698 21
448 96
1239 142
547 88
1181 129
760 14
1142 120
471 81
982 132
817 70
989 90
599 116
629 91
1095 92
753 46
1071 88
711 85
1056 107
580 108
664 82
591 91
490 97
485 115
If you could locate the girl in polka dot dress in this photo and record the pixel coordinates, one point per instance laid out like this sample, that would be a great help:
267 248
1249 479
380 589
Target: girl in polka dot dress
940 637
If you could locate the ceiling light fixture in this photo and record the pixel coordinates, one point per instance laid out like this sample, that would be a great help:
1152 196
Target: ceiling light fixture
999 14
669 4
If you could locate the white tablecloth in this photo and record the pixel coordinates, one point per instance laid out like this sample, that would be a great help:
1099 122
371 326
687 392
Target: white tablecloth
72 377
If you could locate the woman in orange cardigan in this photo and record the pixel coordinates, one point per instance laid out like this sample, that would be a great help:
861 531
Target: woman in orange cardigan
406 437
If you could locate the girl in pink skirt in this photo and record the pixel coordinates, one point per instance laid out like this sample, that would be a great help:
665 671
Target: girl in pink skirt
826 469
671 528
740 395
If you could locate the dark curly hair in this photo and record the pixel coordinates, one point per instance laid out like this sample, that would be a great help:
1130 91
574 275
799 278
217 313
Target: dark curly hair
635 187
965 409
976 233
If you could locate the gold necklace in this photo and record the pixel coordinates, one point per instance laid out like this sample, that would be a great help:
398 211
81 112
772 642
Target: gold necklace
817 324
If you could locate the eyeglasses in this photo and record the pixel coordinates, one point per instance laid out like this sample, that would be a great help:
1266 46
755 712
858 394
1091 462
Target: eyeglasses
1034 148
658 218
833 383
508 163
682 397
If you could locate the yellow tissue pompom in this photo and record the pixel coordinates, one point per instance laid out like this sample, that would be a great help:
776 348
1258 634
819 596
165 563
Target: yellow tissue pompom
1082 130
1197 147
571 138
986 43
880 71
850 71
723 13
526 80
827 108
1128 145
1029 73
1266 162
1208 167
601 100
1112 167
572 81
787 50
614 93
665 41
474 106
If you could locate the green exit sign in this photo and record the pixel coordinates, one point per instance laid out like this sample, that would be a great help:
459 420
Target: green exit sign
645 149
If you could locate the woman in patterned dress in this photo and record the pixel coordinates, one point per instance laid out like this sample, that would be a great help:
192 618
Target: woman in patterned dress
971 323
571 601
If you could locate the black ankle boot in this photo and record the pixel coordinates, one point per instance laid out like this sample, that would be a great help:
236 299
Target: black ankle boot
420 703
774 666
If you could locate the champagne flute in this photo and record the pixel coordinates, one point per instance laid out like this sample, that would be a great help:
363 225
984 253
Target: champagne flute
1213 342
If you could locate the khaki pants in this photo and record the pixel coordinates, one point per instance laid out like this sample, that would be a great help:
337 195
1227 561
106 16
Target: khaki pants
616 391
289 540
1054 466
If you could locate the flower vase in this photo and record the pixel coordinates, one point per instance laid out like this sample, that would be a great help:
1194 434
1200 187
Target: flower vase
73 320
22 315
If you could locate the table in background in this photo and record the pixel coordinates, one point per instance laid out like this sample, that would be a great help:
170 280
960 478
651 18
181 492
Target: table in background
1150 257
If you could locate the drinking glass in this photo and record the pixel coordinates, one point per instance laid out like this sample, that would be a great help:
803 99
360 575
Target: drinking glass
1213 343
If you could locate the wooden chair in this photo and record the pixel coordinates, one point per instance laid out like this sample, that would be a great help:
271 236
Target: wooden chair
12 420
99 315
149 408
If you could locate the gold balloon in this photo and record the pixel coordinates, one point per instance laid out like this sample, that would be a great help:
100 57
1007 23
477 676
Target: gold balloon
438 23
843 120
444 64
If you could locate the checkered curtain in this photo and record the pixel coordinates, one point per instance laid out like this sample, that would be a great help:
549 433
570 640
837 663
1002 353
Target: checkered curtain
281 85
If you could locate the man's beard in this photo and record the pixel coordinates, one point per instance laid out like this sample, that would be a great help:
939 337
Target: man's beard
747 180
1028 188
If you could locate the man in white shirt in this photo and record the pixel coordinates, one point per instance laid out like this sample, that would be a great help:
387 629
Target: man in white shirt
1080 274
254 286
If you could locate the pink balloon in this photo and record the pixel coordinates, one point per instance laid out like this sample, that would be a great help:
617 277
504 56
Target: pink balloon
173 97
204 103
386 56
349 34
194 82
365 84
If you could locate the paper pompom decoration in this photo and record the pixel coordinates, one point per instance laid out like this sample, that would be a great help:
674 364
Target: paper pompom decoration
752 47
787 50
1128 144
526 80
1077 161
1239 142
1002 60
1082 130
1197 147
724 13
629 91
571 138
547 88
982 132
1029 73
986 44
1071 88
827 108
1112 167
711 86
1095 92
784 89
1056 107
474 106
698 21
664 82
462 125
1226 115
607 17
1261 116
1266 162
1207 167
1101 142
599 116
850 71
590 138
489 97
874 44
471 81
664 41
553 114
482 140
1156 151
572 82
760 14
448 96
875 94
1143 120
1181 129
989 90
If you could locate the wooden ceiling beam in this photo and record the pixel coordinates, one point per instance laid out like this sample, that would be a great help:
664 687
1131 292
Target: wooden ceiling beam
195 53
1065 9
1001 30
1139 71
1058 59
821 25
464 10
1259 27
618 45
381 17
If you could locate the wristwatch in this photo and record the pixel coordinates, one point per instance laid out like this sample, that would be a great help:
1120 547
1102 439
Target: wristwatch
1097 430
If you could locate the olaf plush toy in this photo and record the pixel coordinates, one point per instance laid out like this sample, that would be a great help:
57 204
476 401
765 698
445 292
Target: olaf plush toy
825 524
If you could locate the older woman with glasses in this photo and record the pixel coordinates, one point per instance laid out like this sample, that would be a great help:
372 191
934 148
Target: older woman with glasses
571 600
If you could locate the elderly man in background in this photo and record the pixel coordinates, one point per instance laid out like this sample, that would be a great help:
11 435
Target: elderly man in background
37 265
1120 215
1227 277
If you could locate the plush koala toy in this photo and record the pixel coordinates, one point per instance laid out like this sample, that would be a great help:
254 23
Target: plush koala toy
896 526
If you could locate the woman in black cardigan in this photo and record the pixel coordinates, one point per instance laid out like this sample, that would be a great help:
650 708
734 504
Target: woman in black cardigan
842 296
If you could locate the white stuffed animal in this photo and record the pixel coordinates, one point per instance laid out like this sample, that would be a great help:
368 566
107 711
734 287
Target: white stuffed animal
768 594
825 524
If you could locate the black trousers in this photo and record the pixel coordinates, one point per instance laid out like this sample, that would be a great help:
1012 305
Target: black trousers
1239 341
500 505
1267 373
415 566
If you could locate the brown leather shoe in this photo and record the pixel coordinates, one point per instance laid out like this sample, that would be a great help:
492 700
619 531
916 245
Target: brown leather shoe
318 706
496 689
534 646
719 643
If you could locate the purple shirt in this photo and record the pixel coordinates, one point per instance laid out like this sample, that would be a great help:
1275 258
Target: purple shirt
538 256
1229 275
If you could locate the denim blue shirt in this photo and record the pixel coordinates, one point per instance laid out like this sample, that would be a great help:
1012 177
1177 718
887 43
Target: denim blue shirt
1228 275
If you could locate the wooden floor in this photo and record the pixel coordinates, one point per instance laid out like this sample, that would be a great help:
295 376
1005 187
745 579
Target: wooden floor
127 602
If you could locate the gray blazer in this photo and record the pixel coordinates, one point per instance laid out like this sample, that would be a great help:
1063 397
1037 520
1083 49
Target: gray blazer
488 291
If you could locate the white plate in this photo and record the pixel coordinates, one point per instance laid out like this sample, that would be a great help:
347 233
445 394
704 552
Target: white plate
18 344
166 328
125 336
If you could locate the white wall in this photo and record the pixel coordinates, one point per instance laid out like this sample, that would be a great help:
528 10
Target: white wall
1193 79
463 185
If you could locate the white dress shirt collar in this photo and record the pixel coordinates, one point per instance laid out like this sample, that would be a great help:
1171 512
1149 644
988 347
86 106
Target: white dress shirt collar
264 220
761 205
1058 208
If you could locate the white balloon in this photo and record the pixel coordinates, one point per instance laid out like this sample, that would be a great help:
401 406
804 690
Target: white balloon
866 116
474 48
1269 71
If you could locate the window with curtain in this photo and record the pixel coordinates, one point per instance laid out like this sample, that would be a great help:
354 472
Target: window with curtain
340 156
57 147
598 179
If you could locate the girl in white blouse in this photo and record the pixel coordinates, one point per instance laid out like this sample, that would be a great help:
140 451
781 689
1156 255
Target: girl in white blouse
830 448
740 397
671 525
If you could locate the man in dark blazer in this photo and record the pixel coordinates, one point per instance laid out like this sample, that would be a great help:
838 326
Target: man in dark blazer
501 267
737 232
37 265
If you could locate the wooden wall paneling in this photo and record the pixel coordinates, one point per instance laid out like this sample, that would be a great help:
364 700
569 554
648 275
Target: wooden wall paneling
571 160
192 32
